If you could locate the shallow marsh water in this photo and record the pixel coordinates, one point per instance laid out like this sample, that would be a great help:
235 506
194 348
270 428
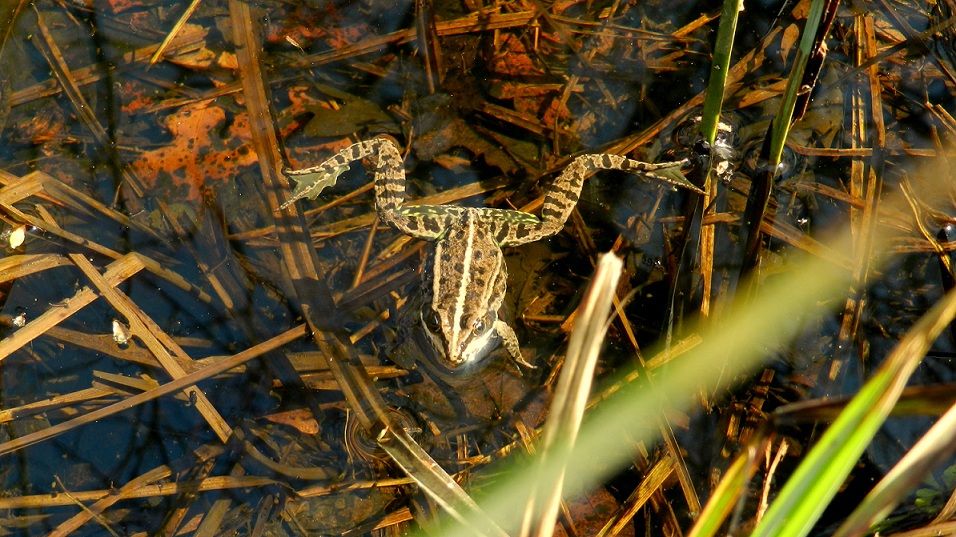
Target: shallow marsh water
488 102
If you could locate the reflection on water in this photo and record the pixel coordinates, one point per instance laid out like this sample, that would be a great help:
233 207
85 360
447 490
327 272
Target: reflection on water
142 244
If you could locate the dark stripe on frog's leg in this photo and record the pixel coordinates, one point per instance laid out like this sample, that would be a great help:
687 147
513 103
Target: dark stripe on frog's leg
564 193
429 222
423 221
501 222
390 189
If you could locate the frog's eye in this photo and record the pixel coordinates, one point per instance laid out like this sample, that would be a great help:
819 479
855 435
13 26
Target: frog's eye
481 324
432 320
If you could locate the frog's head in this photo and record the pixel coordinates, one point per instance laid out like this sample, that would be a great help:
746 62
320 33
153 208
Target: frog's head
463 285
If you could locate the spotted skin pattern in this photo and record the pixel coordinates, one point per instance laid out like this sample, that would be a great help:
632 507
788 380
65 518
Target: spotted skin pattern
465 278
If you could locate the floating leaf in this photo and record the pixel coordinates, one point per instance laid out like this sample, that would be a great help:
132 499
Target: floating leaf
351 116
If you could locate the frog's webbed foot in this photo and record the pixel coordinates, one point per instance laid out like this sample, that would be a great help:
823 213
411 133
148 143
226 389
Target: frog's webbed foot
665 172
510 340
310 182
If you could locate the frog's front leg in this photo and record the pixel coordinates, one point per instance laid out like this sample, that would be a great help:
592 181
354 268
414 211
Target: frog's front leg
510 340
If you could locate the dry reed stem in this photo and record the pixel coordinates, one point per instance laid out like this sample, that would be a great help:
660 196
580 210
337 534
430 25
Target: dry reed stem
298 254
83 110
464 25
652 483
213 517
189 41
186 499
865 177
117 271
165 389
95 516
161 49
62 194
571 394
157 341
105 344
126 386
14 267
53 229
129 490
54 403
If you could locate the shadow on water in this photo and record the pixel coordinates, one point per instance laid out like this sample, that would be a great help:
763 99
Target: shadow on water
143 244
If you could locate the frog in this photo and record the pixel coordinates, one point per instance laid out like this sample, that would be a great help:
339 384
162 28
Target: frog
464 276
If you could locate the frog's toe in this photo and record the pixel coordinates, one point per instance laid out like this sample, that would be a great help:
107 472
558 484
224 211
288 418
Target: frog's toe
521 360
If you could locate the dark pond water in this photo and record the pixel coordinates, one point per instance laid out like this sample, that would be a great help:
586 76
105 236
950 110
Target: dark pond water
151 173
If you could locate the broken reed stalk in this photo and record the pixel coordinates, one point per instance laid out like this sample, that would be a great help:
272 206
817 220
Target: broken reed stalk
172 34
208 484
95 516
157 341
865 183
570 398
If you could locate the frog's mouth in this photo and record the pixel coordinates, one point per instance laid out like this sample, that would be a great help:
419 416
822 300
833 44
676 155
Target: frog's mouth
475 348
460 340
446 362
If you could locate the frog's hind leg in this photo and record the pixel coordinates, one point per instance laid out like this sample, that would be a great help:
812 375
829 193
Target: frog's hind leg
564 193
420 221
389 177
312 181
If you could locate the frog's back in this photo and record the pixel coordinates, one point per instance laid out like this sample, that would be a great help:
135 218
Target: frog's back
464 284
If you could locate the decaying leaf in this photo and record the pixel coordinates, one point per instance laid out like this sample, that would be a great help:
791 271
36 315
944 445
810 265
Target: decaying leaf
201 150
352 114
301 420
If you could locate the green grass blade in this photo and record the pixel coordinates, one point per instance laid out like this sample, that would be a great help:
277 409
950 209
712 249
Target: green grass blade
781 124
727 493
719 69
820 475
935 446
